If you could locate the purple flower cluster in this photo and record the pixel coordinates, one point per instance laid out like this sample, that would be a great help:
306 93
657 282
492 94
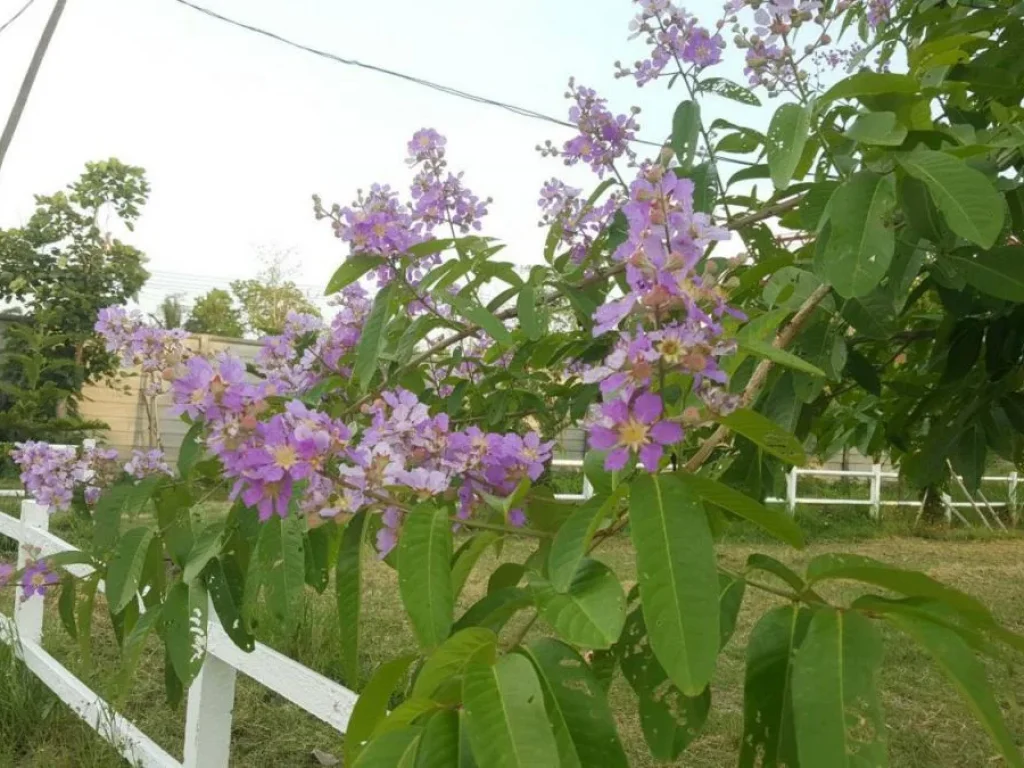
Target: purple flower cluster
155 350
603 137
51 474
380 224
673 36
677 314
579 224
37 578
878 12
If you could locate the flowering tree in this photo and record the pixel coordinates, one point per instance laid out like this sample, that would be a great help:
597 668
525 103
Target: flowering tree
419 417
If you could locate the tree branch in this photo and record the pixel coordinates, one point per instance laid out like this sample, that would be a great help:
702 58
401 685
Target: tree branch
757 381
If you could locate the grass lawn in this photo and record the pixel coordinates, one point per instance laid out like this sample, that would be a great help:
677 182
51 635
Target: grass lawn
928 724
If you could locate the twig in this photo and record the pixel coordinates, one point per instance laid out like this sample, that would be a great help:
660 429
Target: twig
757 381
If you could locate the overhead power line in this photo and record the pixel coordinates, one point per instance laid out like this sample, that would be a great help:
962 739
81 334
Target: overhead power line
14 18
458 93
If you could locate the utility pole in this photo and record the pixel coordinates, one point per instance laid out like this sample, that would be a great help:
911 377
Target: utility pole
30 78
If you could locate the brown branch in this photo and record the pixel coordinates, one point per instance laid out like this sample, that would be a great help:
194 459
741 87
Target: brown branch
757 381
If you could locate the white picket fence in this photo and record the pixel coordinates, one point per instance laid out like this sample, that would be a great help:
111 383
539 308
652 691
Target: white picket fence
874 500
211 697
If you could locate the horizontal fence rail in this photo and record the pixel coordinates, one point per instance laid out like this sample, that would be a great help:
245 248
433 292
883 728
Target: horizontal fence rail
211 697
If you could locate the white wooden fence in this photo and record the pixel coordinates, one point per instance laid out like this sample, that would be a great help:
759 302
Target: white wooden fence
210 698
874 501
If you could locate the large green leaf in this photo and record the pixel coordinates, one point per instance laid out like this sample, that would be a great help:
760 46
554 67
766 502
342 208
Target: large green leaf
348 589
125 497
453 656
577 706
372 705
131 653
836 706
372 339
529 317
495 609
507 723
669 719
466 558
424 573
439 744
787 135
354 267
730 600
182 627
282 562
862 240
573 539
207 546
768 351
777 523
966 198
765 434
869 84
957 660
881 128
224 584
686 132
999 272
769 738
678 578
475 313
394 749
591 613
125 568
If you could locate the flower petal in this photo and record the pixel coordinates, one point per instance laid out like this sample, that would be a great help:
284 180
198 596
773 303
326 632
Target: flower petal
647 407
667 432
616 460
603 438
650 455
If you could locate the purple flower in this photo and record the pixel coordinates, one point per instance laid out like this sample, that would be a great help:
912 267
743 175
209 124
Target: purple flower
145 463
387 536
634 427
6 571
36 579
702 49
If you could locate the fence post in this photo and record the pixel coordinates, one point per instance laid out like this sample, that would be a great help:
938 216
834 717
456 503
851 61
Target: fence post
28 614
1012 497
876 491
791 491
211 699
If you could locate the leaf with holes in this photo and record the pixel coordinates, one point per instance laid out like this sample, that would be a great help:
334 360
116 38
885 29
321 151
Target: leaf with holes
686 132
787 135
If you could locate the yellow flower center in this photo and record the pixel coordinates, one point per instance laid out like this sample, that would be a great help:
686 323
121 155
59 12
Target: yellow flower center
633 434
671 350
285 457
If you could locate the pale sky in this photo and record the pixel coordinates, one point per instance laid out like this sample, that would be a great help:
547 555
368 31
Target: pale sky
237 131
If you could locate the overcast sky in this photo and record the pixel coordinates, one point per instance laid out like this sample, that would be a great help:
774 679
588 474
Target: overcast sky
236 131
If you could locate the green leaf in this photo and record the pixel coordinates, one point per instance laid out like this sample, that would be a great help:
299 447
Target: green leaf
207 546
769 737
958 662
838 712
787 135
226 594
766 434
777 523
507 723
670 720
395 749
453 656
505 575
466 557
84 610
998 272
348 585
494 609
125 497
730 600
125 568
175 631
768 351
131 653
686 132
439 744
372 705
66 604
729 90
529 318
191 449
282 562
353 268
318 545
869 84
966 198
424 573
678 578
481 316
911 583
577 706
591 613
573 539
372 339
862 240
173 515
781 571
881 128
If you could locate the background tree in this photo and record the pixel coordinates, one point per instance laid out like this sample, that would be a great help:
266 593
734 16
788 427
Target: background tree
171 312
64 265
267 299
215 312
